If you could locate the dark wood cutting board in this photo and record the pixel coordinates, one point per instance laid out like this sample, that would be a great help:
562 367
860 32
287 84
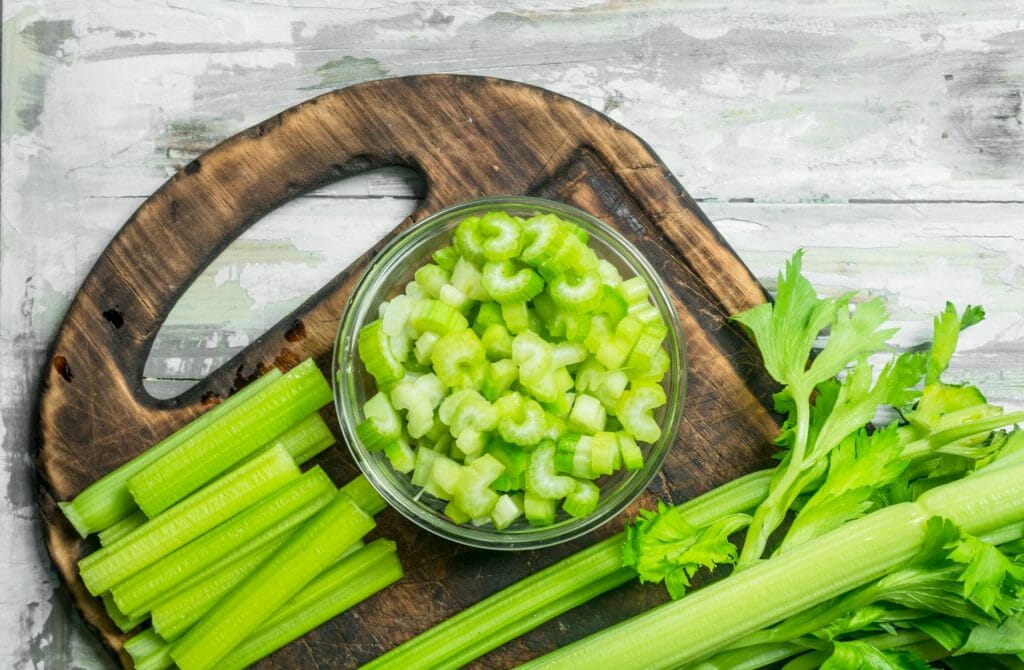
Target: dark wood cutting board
468 137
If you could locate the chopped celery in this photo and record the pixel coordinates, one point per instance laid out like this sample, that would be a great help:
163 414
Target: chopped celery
582 500
361 491
210 452
556 340
187 520
541 477
506 510
306 553
107 500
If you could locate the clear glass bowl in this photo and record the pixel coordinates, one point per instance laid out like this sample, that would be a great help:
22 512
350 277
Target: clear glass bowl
387 277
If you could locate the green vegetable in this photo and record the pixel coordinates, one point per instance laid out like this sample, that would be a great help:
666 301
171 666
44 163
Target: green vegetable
108 535
107 500
306 553
208 453
193 516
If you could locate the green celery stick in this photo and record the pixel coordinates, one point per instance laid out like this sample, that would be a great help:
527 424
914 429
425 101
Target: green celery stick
305 439
350 581
362 492
211 452
193 516
310 549
149 651
107 536
356 576
305 496
176 614
123 621
107 500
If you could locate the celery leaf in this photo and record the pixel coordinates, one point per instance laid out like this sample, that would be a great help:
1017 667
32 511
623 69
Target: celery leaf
859 655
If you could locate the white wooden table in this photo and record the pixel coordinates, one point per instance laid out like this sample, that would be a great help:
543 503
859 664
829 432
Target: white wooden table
887 138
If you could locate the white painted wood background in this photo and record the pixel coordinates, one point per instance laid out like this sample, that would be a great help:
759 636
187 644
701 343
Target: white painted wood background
885 137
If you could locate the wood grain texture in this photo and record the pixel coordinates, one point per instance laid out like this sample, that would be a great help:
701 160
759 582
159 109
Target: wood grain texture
478 136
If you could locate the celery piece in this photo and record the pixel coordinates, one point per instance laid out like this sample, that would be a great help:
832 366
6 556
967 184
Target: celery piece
123 621
210 452
361 491
149 651
306 495
107 500
305 439
351 581
174 615
107 536
314 546
193 516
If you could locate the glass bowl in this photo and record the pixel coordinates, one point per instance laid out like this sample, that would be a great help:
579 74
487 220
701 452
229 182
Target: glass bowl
387 276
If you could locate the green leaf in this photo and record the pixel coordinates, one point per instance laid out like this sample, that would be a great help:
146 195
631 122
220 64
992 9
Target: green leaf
947 327
990 579
853 336
786 330
663 546
949 632
857 655
860 466
1005 638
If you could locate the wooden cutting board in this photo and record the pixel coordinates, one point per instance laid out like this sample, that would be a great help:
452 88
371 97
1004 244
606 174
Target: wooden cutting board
468 137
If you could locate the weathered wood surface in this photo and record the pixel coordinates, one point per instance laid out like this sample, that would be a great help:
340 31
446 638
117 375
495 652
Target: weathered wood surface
886 138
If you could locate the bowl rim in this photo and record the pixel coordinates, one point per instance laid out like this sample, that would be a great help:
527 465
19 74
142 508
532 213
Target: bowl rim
486 537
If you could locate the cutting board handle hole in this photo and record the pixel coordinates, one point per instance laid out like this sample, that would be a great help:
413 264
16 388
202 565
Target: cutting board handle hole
269 270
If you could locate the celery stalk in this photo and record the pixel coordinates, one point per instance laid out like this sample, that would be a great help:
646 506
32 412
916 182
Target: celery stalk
214 450
362 492
687 630
174 615
310 549
546 594
108 536
352 580
193 516
123 621
305 439
149 651
302 497
107 500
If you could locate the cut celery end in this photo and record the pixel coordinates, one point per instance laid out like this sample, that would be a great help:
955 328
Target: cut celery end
541 477
305 495
635 411
305 439
582 500
632 457
604 450
124 622
516 316
587 415
149 651
350 581
374 348
538 510
459 360
382 425
361 491
507 510
401 456
211 452
472 493
306 553
107 500
193 516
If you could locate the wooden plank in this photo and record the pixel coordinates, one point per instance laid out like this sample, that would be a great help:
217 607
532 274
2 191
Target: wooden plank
818 102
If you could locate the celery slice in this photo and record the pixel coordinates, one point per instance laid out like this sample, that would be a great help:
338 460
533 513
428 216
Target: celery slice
107 500
314 546
305 495
193 516
351 581
210 452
